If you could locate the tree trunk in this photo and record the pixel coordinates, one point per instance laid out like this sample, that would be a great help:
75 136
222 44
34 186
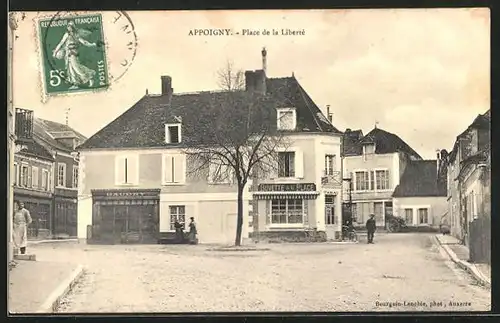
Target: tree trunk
239 225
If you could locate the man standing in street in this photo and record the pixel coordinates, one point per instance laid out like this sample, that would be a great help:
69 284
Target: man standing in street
371 227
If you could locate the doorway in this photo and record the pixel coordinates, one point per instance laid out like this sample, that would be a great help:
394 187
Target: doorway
330 216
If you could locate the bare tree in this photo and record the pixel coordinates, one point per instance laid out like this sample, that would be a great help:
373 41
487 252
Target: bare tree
235 136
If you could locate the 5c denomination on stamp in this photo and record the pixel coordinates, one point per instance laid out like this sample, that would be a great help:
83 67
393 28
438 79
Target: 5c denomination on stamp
84 52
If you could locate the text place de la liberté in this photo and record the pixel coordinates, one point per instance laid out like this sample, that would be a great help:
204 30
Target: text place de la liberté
246 32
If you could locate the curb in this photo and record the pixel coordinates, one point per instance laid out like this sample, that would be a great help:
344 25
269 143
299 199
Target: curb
35 242
54 300
471 269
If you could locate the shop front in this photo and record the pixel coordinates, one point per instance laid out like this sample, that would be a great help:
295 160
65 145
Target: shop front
65 213
124 216
39 204
286 209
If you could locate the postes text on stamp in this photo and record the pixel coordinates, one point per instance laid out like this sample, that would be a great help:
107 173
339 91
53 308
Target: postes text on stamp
73 54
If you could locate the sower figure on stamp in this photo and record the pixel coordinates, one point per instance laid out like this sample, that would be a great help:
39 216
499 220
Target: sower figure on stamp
371 227
67 49
22 219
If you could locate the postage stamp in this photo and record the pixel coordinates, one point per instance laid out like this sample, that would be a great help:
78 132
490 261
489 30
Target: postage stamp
84 51
73 54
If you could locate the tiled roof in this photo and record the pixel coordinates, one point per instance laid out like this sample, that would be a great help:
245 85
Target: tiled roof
480 122
420 180
350 142
35 149
385 143
143 125
43 130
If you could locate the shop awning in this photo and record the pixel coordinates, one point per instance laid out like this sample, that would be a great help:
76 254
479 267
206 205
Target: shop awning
285 195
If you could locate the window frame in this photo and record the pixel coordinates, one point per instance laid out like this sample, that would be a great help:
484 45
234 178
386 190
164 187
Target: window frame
366 180
177 215
168 140
329 171
286 213
24 178
177 159
34 179
45 175
64 174
406 215
76 178
387 179
279 112
426 215
291 159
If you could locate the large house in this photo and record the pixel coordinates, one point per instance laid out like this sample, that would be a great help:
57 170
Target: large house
135 176
373 165
469 167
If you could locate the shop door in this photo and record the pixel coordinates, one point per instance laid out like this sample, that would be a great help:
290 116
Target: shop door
331 224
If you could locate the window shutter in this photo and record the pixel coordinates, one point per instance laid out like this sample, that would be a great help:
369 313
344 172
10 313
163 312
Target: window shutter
268 212
272 173
133 169
212 168
180 168
299 163
119 170
29 177
167 169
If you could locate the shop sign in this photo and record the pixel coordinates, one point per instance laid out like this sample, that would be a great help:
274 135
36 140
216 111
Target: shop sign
296 187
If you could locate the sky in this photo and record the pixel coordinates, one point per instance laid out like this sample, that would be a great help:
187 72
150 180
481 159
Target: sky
423 74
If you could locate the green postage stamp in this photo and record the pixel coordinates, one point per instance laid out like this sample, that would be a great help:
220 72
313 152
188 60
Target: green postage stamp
73 54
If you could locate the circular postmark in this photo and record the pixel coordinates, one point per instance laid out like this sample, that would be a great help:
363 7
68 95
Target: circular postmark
84 51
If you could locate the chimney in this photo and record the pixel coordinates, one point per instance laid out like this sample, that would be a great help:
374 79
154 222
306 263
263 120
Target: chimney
264 59
249 80
328 114
166 86
260 81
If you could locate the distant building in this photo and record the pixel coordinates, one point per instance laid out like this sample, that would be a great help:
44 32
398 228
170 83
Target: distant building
61 140
469 177
420 197
373 165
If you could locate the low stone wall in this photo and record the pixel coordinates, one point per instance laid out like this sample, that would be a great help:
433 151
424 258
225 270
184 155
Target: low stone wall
287 236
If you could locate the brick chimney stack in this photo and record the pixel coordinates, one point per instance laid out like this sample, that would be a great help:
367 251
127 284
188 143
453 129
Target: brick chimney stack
264 59
166 86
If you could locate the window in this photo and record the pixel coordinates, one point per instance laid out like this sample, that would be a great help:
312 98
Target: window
286 166
45 180
409 216
173 133
362 181
174 169
369 149
127 170
75 176
24 176
61 174
177 212
286 211
423 217
34 177
286 119
382 179
329 164
372 180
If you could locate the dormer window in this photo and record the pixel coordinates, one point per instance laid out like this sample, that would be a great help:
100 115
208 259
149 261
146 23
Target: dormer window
287 119
173 133
369 149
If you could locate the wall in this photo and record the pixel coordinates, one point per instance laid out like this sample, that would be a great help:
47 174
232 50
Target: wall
70 162
371 162
438 206
454 198
97 171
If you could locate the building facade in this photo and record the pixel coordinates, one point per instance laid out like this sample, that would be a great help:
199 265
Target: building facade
373 165
149 181
61 140
469 166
